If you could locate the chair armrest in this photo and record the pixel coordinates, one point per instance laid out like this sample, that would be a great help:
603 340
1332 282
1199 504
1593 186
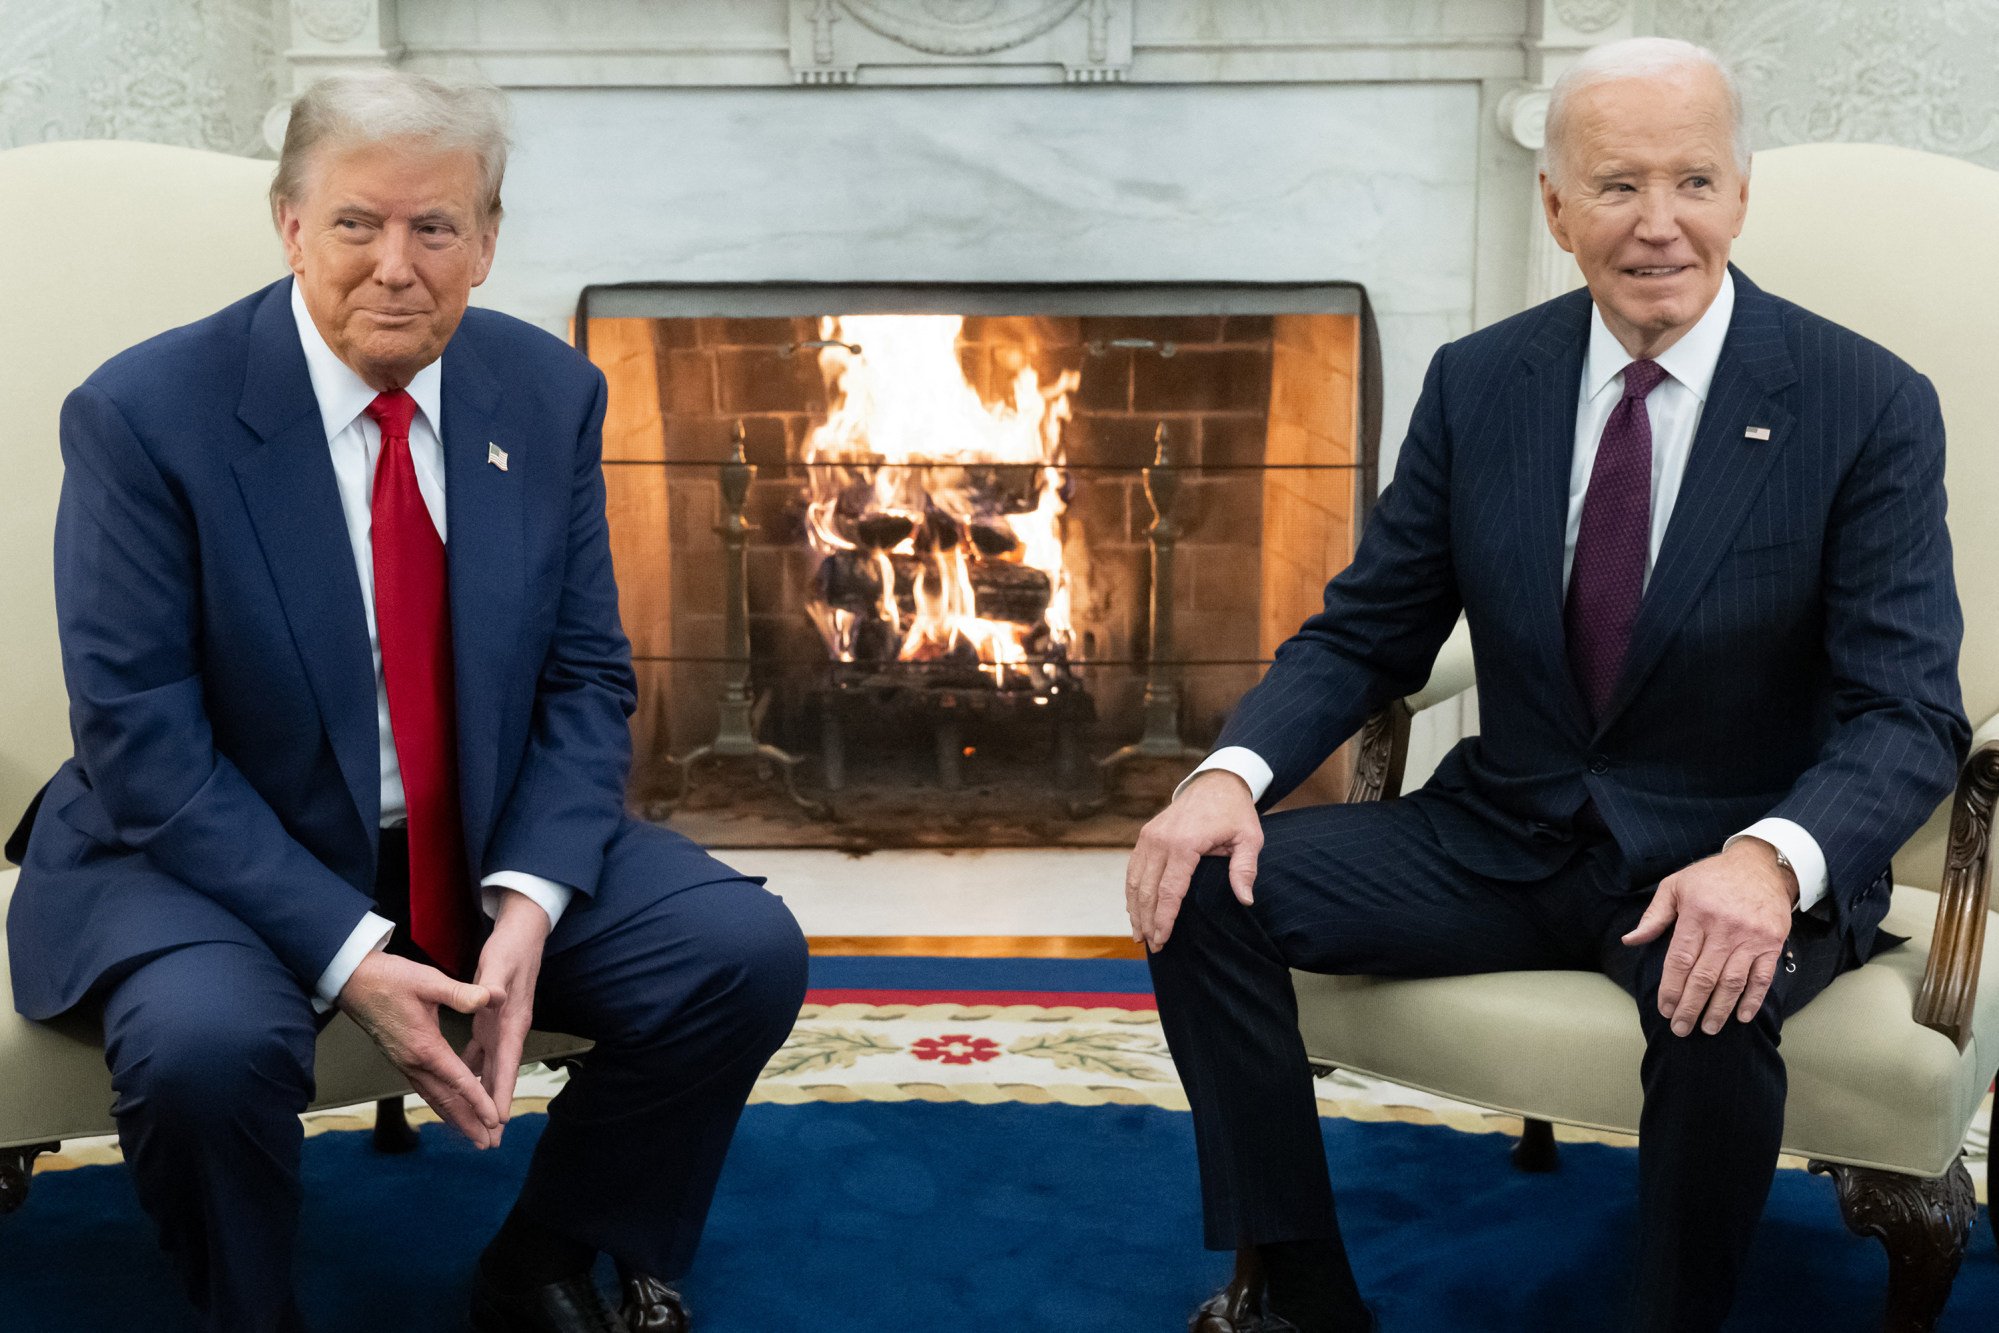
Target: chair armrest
1451 674
1384 741
1949 991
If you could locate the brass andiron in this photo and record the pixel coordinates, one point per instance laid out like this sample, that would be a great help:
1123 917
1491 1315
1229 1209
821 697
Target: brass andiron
735 737
1161 738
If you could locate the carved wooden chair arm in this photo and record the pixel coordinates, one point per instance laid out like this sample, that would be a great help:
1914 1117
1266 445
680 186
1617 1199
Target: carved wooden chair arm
1382 753
1383 743
1949 992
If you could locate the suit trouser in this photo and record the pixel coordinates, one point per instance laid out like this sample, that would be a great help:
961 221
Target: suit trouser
685 990
1366 889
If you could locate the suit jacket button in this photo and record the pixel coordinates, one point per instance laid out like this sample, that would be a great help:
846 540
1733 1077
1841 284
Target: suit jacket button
1598 764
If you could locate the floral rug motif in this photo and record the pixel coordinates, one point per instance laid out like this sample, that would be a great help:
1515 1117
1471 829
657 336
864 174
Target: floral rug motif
974 1052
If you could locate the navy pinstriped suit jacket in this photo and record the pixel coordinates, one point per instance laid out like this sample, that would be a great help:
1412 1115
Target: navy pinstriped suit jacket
1795 653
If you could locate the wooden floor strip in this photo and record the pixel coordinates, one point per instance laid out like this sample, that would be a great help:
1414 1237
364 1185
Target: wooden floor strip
976 946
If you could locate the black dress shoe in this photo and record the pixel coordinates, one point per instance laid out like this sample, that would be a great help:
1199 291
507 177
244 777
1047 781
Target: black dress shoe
571 1305
651 1306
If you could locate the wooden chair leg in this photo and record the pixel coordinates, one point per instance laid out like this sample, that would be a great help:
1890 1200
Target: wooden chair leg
1237 1307
393 1131
17 1172
1536 1150
1923 1224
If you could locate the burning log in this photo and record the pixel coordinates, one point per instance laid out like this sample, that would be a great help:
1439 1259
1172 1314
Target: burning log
938 533
993 540
878 532
875 643
1002 590
936 511
849 581
1011 488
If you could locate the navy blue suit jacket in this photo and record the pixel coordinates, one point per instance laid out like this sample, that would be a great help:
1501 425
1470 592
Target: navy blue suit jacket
225 783
1795 653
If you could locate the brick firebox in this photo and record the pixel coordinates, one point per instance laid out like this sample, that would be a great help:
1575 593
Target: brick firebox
1265 412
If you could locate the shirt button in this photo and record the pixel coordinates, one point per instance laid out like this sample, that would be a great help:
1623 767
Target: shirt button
1598 764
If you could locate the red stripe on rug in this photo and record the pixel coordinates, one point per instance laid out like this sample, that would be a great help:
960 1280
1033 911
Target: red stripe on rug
1046 999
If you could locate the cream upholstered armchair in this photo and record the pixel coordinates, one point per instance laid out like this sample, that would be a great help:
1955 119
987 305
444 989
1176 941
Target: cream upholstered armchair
1890 1064
107 244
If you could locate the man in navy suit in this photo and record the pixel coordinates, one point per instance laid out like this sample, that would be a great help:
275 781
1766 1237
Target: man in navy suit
1698 534
345 671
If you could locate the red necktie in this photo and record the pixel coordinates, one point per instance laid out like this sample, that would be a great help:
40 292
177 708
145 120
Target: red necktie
1607 580
413 620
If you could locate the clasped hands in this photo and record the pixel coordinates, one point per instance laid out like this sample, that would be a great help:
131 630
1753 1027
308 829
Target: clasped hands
395 1001
1730 913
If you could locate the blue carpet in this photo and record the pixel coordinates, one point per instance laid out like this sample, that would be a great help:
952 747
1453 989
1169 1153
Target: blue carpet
838 1218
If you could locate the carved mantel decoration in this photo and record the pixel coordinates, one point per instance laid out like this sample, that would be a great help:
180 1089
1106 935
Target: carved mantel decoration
1009 41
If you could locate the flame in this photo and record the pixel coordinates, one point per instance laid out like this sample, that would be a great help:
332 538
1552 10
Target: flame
910 443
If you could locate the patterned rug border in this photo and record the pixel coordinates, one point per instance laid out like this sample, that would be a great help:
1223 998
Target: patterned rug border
969 1013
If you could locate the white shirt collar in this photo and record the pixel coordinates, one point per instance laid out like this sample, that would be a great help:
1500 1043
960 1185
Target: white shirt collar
1691 360
344 395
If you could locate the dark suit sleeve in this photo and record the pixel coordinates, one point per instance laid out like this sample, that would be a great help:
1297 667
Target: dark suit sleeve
570 794
1384 619
1892 633
127 608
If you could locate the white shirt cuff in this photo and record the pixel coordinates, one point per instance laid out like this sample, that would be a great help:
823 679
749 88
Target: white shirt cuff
546 894
1245 763
1800 848
370 935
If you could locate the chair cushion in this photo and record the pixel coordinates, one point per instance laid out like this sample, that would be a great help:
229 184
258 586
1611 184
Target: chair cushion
54 1086
1867 1085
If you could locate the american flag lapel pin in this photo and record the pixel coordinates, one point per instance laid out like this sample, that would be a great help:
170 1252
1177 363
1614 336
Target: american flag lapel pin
1753 433
498 456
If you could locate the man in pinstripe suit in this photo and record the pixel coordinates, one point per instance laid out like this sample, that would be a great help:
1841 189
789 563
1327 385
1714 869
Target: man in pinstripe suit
1698 534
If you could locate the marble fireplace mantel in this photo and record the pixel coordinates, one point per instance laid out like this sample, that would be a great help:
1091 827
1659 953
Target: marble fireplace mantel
1385 142
1502 54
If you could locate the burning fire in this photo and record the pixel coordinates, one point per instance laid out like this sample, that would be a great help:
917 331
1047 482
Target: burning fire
937 515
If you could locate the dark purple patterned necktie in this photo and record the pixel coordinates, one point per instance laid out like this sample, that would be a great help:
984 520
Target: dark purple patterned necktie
1608 577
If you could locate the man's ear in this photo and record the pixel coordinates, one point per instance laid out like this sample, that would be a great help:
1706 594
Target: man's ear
1551 208
489 240
290 224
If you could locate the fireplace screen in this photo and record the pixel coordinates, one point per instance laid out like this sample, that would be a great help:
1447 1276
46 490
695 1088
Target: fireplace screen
965 565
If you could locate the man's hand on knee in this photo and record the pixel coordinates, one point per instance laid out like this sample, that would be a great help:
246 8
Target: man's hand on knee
1733 914
395 1001
1213 815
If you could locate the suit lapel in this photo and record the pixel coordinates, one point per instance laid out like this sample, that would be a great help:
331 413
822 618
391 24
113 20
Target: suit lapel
485 553
1725 473
288 487
1542 422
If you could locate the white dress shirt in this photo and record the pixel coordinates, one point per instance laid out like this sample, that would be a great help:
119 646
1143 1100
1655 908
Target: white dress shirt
1674 410
355 442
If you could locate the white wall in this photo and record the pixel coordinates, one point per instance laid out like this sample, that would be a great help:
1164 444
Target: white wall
199 73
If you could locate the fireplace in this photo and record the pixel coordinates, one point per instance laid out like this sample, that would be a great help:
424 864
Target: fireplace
1143 141
1003 557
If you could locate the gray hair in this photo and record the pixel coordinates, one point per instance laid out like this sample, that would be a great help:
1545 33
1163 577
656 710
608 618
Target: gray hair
1636 58
353 109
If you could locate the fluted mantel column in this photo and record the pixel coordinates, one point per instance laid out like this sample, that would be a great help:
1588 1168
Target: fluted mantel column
1558 31
321 37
